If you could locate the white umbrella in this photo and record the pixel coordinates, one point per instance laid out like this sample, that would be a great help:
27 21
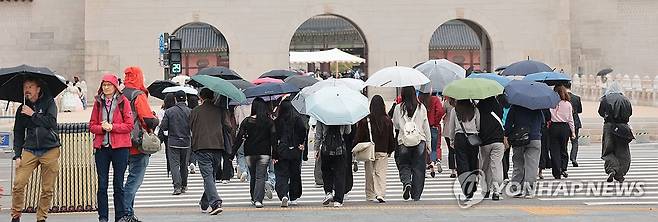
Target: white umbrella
187 90
397 76
337 105
180 79
440 72
299 102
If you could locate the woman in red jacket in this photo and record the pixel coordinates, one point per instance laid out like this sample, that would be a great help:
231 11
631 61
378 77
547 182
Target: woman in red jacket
111 122
435 113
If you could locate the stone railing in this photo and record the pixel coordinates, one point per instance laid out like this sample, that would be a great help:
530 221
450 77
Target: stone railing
640 90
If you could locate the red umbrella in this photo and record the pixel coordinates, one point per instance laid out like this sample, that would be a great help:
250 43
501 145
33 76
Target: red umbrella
266 80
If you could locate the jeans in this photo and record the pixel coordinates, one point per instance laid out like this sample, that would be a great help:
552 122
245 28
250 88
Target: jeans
436 144
208 165
574 147
242 162
136 169
119 160
288 178
178 161
333 175
526 165
411 164
468 164
258 165
506 164
225 171
49 163
559 137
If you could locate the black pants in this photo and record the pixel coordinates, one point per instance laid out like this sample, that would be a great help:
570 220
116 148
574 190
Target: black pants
411 164
467 164
506 164
258 171
545 158
615 153
574 147
333 175
288 178
349 175
452 161
225 171
559 136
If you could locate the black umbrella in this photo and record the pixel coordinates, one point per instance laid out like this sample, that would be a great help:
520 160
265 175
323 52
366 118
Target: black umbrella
11 81
271 89
241 84
278 74
220 71
155 89
604 72
301 81
525 67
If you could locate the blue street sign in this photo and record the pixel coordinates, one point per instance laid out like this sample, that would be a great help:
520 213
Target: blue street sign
5 140
162 43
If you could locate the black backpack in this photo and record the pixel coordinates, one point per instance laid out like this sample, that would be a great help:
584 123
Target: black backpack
333 141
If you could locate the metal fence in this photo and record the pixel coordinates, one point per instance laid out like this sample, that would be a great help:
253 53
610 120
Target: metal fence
76 185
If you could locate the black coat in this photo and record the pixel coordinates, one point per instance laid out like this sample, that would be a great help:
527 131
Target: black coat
176 122
289 135
615 108
491 128
38 132
577 109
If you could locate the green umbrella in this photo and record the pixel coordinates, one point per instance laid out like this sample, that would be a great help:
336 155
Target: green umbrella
470 88
221 87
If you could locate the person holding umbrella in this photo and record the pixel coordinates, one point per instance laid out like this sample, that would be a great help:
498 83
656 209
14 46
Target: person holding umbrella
35 144
435 113
287 155
111 123
560 130
492 149
616 110
466 122
410 118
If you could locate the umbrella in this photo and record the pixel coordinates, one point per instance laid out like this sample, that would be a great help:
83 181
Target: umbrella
526 67
251 100
531 95
440 72
299 102
187 90
337 105
473 88
301 81
500 68
604 72
155 89
550 78
221 87
219 71
278 74
503 81
397 76
180 79
266 80
241 83
270 89
11 81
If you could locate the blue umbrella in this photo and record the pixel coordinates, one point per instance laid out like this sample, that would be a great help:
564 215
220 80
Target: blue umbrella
503 81
270 89
531 95
546 76
525 67
337 105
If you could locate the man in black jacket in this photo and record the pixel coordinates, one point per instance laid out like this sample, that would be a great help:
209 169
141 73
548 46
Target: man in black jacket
36 144
176 121
577 109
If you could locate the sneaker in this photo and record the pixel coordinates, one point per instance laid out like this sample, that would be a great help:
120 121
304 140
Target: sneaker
495 197
191 168
452 175
204 208
438 167
574 163
225 181
258 205
284 202
611 177
294 203
216 209
564 174
407 192
318 185
133 218
184 189
432 173
268 191
122 219
338 204
243 177
177 191
355 166
328 199
381 199
15 219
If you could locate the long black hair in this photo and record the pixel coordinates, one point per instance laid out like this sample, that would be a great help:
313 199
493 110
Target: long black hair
425 98
260 109
465 110
286 113
409 101
377 114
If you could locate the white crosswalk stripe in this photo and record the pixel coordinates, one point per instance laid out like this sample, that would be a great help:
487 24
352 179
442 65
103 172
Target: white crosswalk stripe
157 187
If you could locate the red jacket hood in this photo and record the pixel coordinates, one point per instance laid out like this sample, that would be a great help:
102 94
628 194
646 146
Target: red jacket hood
135 79
111 78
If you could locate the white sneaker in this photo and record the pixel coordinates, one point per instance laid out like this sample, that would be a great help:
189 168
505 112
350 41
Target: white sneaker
294 203
284 202
224 181
258 205
328 199
337 204
191 168
243 177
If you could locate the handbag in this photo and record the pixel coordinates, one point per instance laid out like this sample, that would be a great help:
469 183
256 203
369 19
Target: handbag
365 151
520 136
150 143
473 139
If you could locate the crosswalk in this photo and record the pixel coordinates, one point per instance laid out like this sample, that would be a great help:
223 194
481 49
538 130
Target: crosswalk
157 188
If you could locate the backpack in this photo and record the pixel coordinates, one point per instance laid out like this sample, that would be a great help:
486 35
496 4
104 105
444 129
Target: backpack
333 141
520 136
410 135
146 142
